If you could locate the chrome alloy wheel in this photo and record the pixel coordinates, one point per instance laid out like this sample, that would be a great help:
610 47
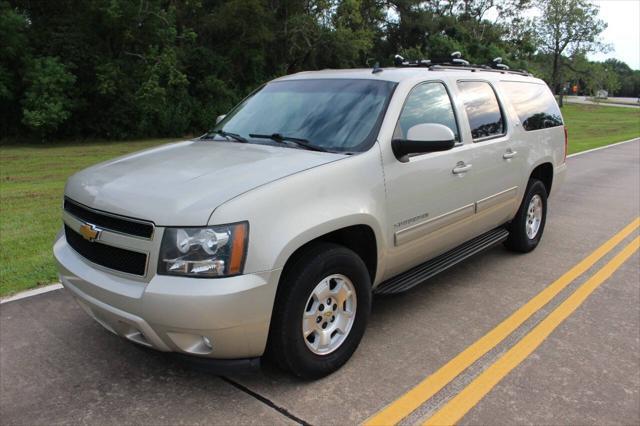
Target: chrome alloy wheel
534 216
329 314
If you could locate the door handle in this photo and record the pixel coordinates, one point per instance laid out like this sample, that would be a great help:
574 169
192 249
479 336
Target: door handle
509 154
461 167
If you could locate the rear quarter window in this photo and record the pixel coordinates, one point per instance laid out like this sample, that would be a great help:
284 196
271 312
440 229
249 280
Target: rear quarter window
534 103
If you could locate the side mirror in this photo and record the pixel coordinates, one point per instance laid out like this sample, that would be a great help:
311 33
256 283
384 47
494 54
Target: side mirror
423 138
220 118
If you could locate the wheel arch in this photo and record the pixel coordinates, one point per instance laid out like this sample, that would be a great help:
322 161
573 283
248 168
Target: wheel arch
361 238
544 173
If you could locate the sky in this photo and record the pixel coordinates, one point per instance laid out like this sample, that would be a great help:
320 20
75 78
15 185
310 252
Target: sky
623 31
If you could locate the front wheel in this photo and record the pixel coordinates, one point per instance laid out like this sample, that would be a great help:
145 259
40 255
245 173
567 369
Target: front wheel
321 311
525 231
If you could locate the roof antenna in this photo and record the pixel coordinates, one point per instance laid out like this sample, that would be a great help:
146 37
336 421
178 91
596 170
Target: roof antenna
376 68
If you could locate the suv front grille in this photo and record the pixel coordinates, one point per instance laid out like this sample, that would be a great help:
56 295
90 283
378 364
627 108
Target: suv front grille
110 257
107 221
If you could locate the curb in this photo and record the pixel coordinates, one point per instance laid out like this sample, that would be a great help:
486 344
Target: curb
602 147
29 293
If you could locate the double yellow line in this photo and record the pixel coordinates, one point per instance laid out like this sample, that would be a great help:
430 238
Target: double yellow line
458 406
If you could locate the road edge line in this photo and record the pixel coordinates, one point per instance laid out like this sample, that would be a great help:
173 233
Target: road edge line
29 293
603 147
457 407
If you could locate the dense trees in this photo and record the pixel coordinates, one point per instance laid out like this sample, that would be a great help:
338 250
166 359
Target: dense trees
567 28
127 68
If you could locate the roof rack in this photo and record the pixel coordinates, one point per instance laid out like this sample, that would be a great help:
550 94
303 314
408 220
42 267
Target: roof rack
497 63
456 62
399 61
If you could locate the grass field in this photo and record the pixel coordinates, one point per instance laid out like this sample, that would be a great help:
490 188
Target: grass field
591 126
32 180
31 184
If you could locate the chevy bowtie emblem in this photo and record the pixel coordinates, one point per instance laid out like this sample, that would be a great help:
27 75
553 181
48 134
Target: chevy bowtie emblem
90 232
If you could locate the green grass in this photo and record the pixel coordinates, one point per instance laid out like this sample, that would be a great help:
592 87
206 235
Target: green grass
592 126
32 180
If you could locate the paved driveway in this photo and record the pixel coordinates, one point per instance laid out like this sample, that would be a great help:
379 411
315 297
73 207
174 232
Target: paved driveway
58 366
616 102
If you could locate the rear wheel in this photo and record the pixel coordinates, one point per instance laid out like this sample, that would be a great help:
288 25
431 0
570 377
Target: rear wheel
320 312
525 231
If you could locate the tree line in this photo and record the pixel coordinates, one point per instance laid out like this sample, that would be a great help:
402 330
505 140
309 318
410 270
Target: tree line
137 68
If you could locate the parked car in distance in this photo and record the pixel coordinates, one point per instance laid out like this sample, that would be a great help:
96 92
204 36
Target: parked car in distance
271 234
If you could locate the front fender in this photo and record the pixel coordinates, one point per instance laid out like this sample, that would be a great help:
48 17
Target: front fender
286 214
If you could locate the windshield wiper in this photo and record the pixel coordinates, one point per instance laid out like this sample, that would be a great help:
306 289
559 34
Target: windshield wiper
298 141
234 136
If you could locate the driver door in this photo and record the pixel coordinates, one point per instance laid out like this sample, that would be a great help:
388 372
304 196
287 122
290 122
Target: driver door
430 200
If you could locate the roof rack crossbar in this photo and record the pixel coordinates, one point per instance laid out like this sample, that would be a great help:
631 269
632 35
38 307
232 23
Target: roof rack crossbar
402 62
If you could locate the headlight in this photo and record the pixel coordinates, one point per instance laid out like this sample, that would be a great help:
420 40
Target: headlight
214 251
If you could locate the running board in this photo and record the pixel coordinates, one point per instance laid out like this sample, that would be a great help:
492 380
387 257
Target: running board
423 272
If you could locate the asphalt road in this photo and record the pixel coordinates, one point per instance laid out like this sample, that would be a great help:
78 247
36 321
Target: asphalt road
58 366
613 101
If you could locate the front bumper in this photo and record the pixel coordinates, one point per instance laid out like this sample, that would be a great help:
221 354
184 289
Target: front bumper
223 318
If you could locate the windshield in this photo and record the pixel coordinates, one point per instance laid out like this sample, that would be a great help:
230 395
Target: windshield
337 115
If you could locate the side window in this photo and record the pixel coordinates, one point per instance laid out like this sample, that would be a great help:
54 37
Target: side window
426 103
483 109
534 103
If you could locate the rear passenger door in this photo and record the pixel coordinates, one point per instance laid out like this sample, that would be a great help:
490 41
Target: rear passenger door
496 159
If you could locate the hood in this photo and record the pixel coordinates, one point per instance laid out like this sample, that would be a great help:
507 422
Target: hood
181 184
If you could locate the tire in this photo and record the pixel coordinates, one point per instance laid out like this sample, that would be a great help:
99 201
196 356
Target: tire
298 294
520 240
